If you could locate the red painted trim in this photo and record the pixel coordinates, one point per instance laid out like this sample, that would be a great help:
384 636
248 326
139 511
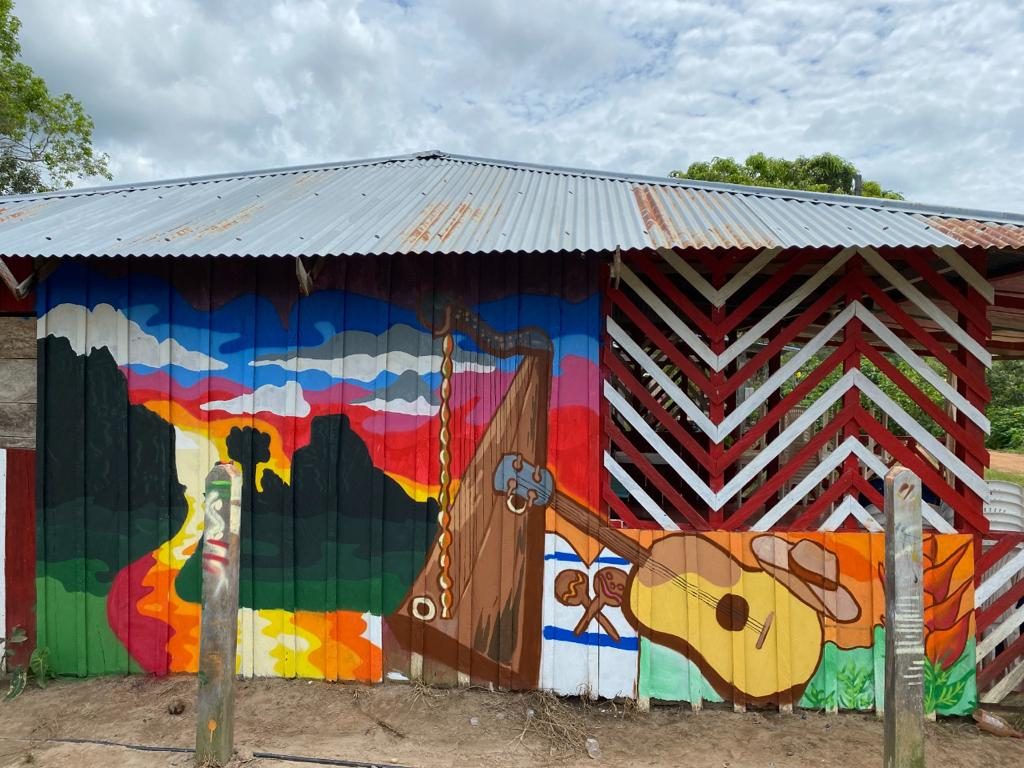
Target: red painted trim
922 468
773 418
20 554
756 500
625 514
779 340
988 616
675 297
692 372
618 368
927 340
640 461
991 671
994 554
759 297
970 442
946 290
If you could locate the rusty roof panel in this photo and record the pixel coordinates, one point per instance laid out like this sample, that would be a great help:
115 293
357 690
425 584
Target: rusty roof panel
983 234
438 203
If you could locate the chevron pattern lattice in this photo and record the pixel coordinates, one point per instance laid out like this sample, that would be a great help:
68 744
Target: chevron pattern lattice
772 392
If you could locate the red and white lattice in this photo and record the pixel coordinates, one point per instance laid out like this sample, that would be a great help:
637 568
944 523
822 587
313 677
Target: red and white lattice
773 391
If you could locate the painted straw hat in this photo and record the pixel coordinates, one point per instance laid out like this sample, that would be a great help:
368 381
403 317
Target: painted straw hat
810 571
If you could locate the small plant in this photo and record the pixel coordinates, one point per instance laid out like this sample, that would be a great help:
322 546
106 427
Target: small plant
816 697
38 665
941 691
856 687
18 675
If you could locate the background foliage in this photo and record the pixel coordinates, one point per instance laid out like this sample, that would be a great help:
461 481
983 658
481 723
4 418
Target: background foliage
45 139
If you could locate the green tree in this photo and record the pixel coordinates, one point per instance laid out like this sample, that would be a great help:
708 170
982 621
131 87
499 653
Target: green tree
821 173
45 139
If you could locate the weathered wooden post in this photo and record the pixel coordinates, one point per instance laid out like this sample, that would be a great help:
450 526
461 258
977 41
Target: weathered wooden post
215 708
904 621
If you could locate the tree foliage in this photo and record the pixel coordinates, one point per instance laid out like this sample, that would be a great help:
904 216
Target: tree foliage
820 173
45 139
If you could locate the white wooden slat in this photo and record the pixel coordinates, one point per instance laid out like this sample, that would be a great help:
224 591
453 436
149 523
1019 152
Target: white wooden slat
850 445
996 581
921 367
818 409
935 520
944 321
787 371
718 297
670 318
997 634
922 435
655 372
850 506
638 493
756 332
970 275
769 321
662 448
1005 686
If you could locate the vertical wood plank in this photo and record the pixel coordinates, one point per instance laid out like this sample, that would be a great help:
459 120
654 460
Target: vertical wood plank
20 549
904 621
219 632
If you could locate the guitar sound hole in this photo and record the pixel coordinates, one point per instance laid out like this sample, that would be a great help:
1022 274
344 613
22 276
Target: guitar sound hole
732 612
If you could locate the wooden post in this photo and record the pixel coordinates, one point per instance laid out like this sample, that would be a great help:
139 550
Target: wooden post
904 621
218 635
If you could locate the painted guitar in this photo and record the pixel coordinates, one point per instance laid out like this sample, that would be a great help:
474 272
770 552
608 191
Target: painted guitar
689 594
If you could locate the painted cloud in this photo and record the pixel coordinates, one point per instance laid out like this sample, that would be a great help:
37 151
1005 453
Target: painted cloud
129 344
363 356
287 400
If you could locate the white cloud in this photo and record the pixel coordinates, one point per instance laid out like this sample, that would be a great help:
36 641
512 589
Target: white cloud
418 407
287 400
367 368
922 94
128 343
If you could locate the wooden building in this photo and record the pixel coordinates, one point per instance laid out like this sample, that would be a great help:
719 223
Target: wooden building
516 425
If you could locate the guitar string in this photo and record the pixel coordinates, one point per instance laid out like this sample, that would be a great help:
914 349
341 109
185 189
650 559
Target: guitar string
705 597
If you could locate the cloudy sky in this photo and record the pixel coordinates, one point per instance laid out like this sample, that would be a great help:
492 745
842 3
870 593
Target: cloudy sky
923 95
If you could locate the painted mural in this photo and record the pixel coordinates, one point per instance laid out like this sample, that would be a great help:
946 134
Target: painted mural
419 442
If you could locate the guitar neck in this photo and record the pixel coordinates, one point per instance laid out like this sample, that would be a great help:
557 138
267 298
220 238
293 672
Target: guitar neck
588 523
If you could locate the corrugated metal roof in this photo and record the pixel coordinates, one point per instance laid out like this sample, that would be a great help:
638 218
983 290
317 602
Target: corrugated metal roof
438 203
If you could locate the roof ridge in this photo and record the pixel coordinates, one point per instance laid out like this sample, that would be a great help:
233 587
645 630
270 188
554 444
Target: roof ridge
880 204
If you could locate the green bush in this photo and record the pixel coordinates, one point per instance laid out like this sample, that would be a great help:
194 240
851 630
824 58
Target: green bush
1007 428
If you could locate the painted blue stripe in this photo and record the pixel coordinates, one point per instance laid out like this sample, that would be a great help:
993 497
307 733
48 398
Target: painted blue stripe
569 557
590 638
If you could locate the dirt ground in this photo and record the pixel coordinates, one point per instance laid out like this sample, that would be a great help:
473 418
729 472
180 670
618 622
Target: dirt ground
1007 462
428 728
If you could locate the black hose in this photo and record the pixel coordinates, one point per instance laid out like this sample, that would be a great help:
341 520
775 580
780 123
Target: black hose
324 761
261 755
105 743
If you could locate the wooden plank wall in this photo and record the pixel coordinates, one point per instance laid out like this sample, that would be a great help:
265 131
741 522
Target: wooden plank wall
17 382
18 552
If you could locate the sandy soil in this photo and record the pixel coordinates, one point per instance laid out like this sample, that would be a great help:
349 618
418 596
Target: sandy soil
1007 462
426 728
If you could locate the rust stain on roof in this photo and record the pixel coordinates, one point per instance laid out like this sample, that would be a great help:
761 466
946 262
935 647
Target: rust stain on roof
216 228
421 231
979 233
6 215
463 212
654 219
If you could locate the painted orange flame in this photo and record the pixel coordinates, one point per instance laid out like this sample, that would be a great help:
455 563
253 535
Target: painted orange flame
948 601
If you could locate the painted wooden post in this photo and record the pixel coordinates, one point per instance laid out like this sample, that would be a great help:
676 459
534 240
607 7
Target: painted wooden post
218 637
904 621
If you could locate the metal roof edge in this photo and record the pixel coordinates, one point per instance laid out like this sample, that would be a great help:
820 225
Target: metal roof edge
877 203
880 204
215 177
